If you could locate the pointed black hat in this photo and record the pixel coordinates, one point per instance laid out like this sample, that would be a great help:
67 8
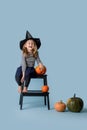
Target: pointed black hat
28 37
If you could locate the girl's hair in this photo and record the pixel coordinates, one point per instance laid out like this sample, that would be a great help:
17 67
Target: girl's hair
35 52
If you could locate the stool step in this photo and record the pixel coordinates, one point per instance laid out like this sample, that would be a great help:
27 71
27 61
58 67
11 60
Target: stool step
35 93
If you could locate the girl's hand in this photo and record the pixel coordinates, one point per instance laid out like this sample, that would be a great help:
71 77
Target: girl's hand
41 66
22 79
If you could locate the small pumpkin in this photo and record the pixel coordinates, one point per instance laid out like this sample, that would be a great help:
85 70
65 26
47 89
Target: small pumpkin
45 88
75 104
60 106
40 71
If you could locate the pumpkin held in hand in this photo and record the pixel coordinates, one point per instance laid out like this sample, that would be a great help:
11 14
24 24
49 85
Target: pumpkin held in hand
45 88
60 106
40 71
75 104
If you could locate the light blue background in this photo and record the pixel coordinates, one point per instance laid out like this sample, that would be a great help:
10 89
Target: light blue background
62 28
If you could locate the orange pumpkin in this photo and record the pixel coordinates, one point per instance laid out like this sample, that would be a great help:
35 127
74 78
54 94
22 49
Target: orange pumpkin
60 106
40 71
45 88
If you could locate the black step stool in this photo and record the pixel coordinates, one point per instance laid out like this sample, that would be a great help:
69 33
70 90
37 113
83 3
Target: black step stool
37 93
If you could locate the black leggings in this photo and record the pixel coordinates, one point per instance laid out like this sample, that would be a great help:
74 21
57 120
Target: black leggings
29 73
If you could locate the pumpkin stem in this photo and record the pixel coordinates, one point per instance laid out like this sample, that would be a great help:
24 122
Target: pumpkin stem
74 95
61 101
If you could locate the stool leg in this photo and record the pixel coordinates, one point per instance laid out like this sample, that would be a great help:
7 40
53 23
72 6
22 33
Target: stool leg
21 101
48 102
45 100
45 80
20 95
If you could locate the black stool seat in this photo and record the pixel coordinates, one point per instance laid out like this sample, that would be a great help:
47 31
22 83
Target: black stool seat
36 93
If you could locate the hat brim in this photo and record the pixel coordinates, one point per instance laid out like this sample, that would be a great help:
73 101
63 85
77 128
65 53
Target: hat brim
37 41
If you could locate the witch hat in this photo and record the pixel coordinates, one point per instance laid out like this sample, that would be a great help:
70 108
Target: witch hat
28 37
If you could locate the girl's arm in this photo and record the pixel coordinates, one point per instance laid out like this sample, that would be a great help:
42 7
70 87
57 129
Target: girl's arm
22 79
23 64
39 62
23 68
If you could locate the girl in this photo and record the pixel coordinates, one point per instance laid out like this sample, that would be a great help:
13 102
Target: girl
29 47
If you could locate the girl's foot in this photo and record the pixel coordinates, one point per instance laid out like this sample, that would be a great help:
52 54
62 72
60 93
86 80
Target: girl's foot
25 90
19 89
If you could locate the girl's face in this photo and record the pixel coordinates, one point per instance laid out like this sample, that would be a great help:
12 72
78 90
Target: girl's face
30 44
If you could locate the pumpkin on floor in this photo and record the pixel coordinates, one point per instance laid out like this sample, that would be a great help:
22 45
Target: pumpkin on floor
75 104
60 106
45 88
40 71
